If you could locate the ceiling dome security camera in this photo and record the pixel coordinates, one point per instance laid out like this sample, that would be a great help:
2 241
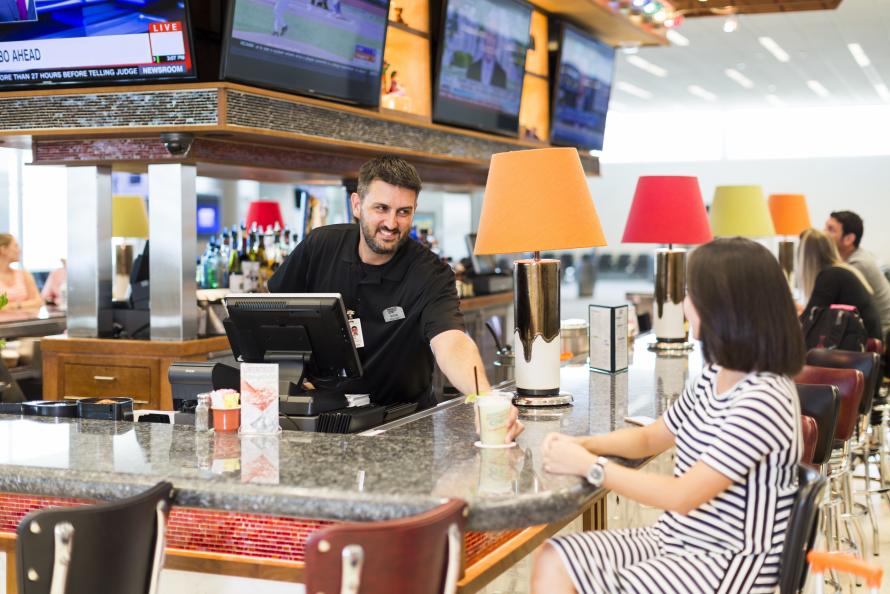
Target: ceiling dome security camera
177 143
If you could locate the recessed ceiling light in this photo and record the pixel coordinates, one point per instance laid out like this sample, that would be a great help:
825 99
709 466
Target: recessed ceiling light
883 91
731 23
676 38
739 78
818 88
701 93
859 54
646 65
774 48
775 101
633 90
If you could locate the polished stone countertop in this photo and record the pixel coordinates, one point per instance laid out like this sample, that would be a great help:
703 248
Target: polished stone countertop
403 470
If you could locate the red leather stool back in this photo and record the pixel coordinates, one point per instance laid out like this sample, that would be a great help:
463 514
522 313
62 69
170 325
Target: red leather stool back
868 363
420 554
850 384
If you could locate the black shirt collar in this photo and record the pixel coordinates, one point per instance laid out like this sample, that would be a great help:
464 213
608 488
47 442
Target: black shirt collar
394 270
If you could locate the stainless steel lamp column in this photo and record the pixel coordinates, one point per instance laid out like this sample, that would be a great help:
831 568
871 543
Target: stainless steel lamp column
669 322
536 337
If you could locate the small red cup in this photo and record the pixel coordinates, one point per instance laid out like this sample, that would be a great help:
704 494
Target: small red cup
226 419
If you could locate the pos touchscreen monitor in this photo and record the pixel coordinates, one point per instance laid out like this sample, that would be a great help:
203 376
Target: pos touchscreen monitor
306 334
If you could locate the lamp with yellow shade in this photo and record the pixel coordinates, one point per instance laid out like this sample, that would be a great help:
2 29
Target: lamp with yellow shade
537 200
129 220
790 218
740 211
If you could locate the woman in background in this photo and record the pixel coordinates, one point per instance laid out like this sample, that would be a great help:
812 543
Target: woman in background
826 280
18 284
737 434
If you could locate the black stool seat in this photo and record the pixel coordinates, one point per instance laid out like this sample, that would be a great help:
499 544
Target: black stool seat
109 547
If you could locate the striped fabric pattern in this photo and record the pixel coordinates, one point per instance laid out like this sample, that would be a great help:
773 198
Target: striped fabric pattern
751 434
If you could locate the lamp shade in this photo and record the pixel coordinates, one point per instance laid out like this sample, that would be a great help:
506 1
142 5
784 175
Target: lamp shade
265 213
740 211
667 209
789 212
537 200
129 218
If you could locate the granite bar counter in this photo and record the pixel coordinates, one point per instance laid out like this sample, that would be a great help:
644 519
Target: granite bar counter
399 470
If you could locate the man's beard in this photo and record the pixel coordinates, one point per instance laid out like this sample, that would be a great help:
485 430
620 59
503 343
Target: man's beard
376 247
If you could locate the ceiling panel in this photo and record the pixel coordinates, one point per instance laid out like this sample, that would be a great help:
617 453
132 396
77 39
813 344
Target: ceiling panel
815 41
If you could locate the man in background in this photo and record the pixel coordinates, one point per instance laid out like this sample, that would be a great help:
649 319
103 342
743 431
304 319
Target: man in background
487 69
846 229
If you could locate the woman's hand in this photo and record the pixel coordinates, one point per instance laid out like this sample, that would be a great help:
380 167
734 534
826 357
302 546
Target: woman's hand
565 455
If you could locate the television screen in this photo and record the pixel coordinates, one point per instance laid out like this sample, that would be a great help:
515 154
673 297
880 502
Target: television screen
581 93
50 42
482 64
328 48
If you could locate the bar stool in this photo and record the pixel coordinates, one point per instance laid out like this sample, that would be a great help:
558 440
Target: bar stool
869 363
421 554
822 404
810 433
803 524
850 384
109 547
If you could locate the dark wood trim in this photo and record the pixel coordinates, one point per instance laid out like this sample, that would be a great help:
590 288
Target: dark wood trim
141 348
408 29
471 303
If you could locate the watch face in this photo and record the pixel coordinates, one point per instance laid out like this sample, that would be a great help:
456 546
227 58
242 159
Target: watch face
595 475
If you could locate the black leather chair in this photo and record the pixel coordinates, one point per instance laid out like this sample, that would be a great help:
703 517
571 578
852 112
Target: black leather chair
800 535
109 547
822 403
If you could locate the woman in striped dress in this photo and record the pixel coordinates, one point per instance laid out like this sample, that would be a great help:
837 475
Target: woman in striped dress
737 438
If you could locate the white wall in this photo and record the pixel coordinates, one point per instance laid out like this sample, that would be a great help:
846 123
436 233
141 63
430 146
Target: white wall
860 184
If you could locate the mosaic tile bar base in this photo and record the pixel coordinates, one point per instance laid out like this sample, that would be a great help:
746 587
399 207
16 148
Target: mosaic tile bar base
230 533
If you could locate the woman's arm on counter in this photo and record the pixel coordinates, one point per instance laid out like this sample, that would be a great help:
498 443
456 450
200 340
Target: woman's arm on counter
633 443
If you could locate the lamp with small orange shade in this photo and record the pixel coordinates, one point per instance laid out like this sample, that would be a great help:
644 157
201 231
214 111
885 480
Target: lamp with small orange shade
790 217
537 200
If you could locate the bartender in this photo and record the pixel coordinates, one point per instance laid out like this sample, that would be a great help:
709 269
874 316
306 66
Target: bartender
400 298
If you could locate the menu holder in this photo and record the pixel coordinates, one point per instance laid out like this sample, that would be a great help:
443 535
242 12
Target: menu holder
608 338
259 399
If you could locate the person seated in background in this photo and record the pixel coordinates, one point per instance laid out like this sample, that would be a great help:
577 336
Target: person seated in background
737 437
827 280
55 288
846 229
17 283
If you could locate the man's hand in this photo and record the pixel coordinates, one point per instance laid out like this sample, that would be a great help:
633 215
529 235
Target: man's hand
514 425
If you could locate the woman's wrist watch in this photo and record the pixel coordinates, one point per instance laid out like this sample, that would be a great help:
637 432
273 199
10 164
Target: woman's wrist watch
597 473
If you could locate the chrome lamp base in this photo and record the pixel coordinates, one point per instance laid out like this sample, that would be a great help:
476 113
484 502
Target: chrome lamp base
561 399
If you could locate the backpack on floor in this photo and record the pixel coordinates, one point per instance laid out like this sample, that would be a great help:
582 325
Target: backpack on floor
835 327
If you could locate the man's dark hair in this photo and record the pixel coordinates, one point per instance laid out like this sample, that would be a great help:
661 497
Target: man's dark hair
392 170
850 223
748 321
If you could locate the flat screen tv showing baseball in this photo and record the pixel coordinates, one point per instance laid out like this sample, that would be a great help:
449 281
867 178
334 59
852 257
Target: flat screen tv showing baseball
45 43
581 94
326 48
481 64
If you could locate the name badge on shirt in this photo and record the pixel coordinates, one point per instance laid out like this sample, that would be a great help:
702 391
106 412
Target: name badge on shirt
355 326
391 314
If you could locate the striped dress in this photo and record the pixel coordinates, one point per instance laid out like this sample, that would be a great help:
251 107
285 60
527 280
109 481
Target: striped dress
751 434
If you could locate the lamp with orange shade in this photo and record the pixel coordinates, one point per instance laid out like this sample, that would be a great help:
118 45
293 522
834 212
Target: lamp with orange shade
265 213
537 200
668 209
790 217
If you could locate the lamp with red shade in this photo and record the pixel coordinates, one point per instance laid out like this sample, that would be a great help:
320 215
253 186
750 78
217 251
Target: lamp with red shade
668 209
265 213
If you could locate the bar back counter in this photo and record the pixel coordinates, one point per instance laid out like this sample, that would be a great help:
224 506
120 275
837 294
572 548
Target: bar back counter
244 506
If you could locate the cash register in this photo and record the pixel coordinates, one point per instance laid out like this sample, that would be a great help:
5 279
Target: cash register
308 336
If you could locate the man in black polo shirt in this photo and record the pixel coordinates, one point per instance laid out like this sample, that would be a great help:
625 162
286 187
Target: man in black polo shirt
400 297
